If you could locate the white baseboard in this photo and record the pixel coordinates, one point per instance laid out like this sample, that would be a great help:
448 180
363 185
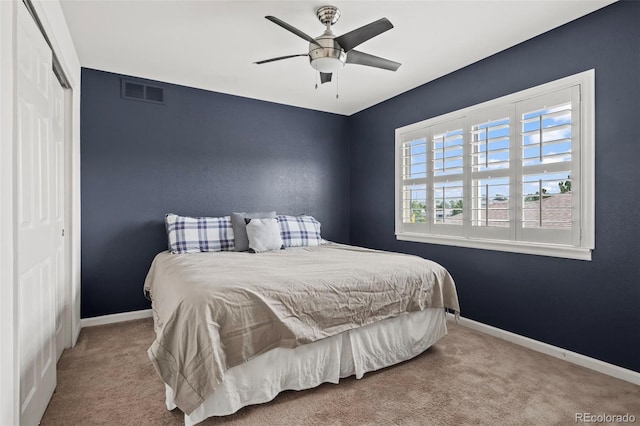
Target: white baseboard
113 318
554 351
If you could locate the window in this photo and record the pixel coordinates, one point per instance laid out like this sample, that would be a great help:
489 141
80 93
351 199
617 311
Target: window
512 174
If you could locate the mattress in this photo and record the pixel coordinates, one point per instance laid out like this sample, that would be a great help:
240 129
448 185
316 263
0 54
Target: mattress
353 352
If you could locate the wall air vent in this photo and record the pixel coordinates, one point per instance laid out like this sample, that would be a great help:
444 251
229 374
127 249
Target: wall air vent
137 91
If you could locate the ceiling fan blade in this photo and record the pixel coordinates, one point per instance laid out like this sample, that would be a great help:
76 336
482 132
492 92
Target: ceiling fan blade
325 77
292 29
361 58
353 38
280 58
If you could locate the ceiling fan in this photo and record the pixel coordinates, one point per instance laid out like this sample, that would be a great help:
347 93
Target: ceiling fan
328 53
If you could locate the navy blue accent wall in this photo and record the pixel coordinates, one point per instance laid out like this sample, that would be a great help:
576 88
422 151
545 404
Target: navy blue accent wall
201 154
592 308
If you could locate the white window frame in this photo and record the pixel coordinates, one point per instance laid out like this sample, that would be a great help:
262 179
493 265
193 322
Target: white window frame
583 185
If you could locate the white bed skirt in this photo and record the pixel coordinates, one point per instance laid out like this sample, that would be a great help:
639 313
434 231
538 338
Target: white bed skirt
357 351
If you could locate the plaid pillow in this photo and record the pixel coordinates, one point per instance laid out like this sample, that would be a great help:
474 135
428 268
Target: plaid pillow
195 234
298 231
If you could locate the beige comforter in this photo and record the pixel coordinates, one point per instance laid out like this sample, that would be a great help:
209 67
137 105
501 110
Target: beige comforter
213 311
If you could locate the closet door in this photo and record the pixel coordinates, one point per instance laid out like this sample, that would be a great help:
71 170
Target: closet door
57 194
38 236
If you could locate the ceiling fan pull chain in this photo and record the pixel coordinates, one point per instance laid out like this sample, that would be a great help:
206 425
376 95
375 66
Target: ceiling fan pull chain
318 72
336 85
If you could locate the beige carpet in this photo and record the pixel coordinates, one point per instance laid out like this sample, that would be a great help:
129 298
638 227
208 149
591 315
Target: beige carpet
466 378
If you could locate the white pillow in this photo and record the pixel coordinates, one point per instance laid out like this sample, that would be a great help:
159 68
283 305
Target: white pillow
264 235
240 227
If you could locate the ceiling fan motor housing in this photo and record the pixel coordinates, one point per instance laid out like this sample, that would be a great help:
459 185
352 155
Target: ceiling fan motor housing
328 58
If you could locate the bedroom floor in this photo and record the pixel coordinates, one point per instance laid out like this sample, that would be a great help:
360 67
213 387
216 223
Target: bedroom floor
466 378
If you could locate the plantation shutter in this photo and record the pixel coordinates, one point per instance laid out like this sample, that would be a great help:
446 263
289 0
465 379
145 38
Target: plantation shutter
446 177
549 162
492 174
413 191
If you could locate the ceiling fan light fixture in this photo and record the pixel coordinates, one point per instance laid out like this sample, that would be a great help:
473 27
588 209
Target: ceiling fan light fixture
327 64
329 58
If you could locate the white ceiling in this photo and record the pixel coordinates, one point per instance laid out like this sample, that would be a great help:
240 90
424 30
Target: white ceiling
212 44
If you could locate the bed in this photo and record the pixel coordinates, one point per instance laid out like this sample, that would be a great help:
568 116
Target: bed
236 328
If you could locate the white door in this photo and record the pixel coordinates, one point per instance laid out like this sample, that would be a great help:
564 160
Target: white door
38 237
57 194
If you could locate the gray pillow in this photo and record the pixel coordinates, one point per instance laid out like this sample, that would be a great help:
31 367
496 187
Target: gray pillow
264 235
240 227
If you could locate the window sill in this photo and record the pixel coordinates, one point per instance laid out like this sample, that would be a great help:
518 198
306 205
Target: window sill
578 253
